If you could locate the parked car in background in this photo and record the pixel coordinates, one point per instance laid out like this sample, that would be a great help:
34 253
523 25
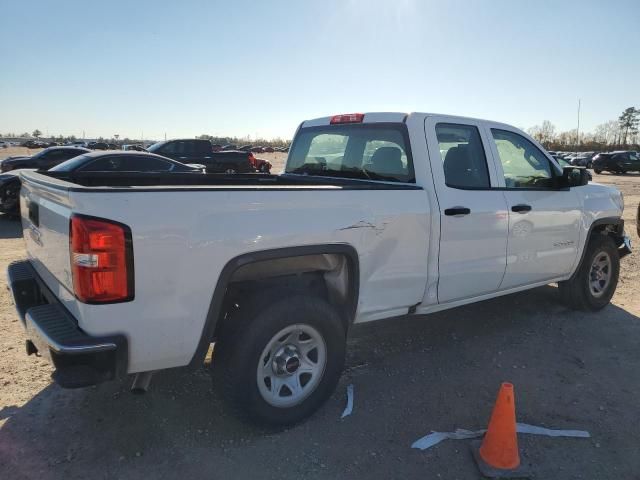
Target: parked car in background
563 163
33 144
44 160
88 161
245 148
201 152
135 147
616 162
229 147
121 161
77 143
98 146
583 159
216 147
268 150
257 149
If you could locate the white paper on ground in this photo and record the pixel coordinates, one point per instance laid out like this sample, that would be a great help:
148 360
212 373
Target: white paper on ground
349 408
434 438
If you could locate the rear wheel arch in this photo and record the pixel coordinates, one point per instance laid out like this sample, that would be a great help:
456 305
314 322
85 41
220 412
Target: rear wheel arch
229 275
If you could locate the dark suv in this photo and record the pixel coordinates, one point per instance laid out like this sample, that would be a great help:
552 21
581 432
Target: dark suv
617 162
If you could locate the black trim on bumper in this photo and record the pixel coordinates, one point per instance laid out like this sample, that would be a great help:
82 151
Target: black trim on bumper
80 359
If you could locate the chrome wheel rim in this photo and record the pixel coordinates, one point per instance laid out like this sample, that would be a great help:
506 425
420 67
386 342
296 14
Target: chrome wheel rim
600 274
291 365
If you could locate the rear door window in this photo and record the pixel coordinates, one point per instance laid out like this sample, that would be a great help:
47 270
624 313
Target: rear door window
463 157
369 152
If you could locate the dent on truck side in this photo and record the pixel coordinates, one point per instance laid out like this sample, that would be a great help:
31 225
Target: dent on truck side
184 239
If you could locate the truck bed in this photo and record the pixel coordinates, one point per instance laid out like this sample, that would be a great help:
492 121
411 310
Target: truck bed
161 180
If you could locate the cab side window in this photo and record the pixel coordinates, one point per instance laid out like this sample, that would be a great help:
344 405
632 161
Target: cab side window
463 158
523 164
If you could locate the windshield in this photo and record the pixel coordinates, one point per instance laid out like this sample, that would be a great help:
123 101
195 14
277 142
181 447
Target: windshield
369 152
155 146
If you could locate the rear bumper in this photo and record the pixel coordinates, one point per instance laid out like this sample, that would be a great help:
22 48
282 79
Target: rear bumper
80 360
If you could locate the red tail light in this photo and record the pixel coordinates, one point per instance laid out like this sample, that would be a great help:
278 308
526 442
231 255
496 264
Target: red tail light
347 118
101 260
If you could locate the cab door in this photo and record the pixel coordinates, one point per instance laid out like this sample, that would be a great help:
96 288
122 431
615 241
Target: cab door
544 220
473 216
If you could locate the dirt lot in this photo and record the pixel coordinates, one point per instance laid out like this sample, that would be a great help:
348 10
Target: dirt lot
411 375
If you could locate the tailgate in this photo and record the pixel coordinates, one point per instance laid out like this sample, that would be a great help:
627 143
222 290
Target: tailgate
45 209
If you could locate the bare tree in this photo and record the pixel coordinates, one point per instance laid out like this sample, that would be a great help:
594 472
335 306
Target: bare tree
536 132
547 132
629 121
36 133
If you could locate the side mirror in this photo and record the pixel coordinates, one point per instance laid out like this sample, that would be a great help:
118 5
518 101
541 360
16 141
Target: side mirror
574 177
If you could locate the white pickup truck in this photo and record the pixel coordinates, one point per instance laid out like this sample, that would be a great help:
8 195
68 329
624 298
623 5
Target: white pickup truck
377 215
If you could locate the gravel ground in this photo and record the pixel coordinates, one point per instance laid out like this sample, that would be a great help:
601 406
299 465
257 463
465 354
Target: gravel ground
411 376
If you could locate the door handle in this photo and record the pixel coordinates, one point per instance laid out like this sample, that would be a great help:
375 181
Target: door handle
521 208
457 211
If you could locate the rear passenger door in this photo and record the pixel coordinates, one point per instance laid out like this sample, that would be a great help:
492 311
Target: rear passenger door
473 216
544 220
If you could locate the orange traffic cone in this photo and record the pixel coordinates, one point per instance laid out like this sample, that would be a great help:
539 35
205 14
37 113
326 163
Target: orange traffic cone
498 455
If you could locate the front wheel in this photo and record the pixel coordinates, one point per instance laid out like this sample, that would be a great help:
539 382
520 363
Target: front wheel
593 285
279 357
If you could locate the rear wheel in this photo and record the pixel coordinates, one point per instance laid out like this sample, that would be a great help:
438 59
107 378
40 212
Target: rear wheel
593 285
597 170
279 357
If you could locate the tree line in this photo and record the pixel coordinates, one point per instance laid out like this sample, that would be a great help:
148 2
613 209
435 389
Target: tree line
620 134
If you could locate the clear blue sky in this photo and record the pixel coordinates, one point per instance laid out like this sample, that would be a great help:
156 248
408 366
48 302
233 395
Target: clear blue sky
246 68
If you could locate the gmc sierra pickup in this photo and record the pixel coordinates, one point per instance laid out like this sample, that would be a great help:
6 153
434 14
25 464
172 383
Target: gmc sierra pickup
377 215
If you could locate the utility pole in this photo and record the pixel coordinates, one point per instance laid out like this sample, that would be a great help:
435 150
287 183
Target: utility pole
578 129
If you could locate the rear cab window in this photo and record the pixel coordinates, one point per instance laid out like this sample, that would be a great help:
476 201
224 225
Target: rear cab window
377 151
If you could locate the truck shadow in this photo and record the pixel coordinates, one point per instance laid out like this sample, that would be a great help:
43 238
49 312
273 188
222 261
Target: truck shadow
409 374
10 227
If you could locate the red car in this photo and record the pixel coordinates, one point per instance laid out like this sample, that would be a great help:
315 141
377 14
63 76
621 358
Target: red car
261 165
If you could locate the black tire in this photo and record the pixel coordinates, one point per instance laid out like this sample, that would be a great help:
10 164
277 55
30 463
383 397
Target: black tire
597 170
576 292
247 331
